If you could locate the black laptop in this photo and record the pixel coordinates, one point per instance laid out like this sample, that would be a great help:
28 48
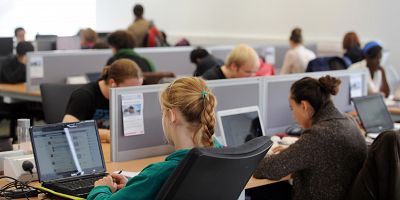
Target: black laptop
373 113
68 156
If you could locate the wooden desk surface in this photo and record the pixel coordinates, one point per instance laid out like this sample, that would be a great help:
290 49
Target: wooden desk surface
138 165
19 92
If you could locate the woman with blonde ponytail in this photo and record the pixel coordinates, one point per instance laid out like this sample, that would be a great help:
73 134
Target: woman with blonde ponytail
188 120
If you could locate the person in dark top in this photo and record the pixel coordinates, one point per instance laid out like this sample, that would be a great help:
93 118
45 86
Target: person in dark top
203 61
352 47
242 62
91 101
13 69
122 44
330 151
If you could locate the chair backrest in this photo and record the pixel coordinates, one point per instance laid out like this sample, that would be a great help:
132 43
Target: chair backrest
156 77
215 173
55 98
379 178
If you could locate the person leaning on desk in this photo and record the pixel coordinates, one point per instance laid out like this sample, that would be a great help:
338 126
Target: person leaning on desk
91 101
188 120
329 153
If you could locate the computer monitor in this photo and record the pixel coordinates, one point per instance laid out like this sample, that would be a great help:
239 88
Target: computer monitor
6 46
373 113
239 125
68 43
46 42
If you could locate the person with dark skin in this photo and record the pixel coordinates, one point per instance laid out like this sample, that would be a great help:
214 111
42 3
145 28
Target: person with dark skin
377 81
373 58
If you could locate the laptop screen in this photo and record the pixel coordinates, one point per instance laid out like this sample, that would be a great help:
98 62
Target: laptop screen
240 125
67 149
373 113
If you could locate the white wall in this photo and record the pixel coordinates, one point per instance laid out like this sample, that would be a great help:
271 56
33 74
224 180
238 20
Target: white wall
232 21
60 17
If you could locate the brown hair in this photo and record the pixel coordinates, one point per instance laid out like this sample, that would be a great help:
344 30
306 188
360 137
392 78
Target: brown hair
351 40
121 40
89 35
296 36
191 96
316 92
121 70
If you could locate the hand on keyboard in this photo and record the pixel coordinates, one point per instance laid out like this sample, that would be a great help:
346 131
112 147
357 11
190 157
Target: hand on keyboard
107 181
120 180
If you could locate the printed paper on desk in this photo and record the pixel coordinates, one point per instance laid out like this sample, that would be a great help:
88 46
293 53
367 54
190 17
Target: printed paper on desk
132 114
35 66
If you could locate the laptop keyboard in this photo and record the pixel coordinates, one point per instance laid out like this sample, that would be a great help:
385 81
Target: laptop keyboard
78 187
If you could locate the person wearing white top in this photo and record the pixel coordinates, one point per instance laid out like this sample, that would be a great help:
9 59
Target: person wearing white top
297 58
377 80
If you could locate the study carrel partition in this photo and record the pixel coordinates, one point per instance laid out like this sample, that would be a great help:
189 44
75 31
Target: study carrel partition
277 114
230 94
56 66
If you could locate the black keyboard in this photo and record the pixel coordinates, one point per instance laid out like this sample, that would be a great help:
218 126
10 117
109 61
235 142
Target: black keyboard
76 187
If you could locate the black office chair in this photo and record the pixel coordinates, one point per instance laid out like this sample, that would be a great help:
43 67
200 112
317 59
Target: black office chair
215 173
55 98
379 178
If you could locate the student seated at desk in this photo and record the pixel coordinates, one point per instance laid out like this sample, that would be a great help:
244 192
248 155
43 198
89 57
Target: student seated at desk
330 151
377 81
188 120
203 61
91 101
13 69
242 62
122 44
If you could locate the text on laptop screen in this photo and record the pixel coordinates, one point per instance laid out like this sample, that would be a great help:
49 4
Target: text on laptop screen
63 151
373 113
240 128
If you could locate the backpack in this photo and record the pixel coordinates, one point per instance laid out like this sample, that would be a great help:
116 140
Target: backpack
154 38
326 64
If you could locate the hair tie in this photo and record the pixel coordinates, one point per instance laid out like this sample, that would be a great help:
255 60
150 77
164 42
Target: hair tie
203 94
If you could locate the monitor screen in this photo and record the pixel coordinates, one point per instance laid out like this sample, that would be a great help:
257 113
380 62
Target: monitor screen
373 113
6 46
65 150
240 125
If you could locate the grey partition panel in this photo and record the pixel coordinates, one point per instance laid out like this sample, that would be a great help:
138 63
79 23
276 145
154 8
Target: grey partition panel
59 65
220 52
277 113
236 93
152 142
173 59
229 93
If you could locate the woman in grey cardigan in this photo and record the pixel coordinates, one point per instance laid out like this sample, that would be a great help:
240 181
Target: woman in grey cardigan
330 151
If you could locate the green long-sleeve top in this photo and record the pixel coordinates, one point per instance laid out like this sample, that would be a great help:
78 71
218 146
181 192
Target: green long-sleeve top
145 185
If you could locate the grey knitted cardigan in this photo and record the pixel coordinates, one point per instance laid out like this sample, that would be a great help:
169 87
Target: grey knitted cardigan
324 161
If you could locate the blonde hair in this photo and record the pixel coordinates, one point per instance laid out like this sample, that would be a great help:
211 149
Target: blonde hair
89 35
241 55
121 70
192 97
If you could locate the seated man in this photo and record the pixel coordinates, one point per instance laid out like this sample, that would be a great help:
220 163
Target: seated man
203 61
242 62
13 69
91 101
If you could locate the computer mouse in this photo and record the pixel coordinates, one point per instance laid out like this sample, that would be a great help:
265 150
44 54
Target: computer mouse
294 130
